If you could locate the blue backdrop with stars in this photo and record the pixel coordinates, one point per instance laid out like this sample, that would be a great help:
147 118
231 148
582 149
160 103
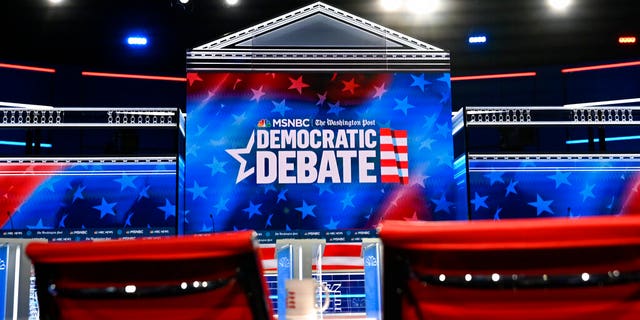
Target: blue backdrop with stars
502 189
224 109
90 195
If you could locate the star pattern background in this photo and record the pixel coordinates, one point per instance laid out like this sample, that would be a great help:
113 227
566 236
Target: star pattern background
88 196
224 110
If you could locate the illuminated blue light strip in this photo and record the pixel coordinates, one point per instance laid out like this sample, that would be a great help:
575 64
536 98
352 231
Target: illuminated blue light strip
478 39
623 138
137 41
23 144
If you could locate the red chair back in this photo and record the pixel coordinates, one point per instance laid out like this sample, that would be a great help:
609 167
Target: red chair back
554 268
216 276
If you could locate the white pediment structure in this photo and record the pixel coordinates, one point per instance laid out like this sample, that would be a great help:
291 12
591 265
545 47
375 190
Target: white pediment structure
317 37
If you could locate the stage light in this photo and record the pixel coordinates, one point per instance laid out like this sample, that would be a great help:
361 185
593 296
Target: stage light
390 5
184 1
231 2
559 5
56 1
477 39
422 6
138 41
627 40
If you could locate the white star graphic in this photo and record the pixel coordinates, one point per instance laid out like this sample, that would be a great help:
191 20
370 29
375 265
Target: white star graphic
243 173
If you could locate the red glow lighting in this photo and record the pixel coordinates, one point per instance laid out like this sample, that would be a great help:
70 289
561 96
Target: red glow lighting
603 66
131 76
28 68
495 76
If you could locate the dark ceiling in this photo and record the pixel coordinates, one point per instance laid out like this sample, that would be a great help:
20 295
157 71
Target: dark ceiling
523 34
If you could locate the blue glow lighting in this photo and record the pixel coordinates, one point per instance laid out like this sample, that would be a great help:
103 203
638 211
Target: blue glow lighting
140 41
478 39
610 139
23 144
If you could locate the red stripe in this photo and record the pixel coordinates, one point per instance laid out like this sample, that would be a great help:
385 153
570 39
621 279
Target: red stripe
388 163
342 250
131 76
494 76
402 165
404 180
385 132
602 66
399 133
390 179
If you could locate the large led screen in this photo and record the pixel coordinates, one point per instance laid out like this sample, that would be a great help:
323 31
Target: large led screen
554 186
89 198
317 151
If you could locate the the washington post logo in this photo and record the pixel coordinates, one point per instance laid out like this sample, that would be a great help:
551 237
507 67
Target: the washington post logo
303 156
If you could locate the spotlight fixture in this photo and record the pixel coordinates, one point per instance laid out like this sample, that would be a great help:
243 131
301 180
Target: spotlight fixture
559 5
56 1
627 40
390 5
231 2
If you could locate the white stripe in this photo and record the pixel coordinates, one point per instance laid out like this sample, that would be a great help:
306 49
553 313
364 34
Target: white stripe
402 157
269 264
389 171
404 172
387 155
343 261
386 140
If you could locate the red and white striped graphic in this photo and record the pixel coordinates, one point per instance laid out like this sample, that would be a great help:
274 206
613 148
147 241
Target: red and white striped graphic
394 156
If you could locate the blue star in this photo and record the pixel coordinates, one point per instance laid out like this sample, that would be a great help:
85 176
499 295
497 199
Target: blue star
105 208
403 105
128 222
496 216
442 204
238 120
197 190
444 130
269 187
446 78
143 193
281 195
479 202
560 178
78 193
221 205
280 107
126 182
323 187
332 225
429 121
168 208
541 205
307 210
419 82
206 228
494 176
193 150
335 108
587 192
216 166
346 202
426 144
201 130
511 188
243 172
38 225
62 221
287 228
268 224
253 209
